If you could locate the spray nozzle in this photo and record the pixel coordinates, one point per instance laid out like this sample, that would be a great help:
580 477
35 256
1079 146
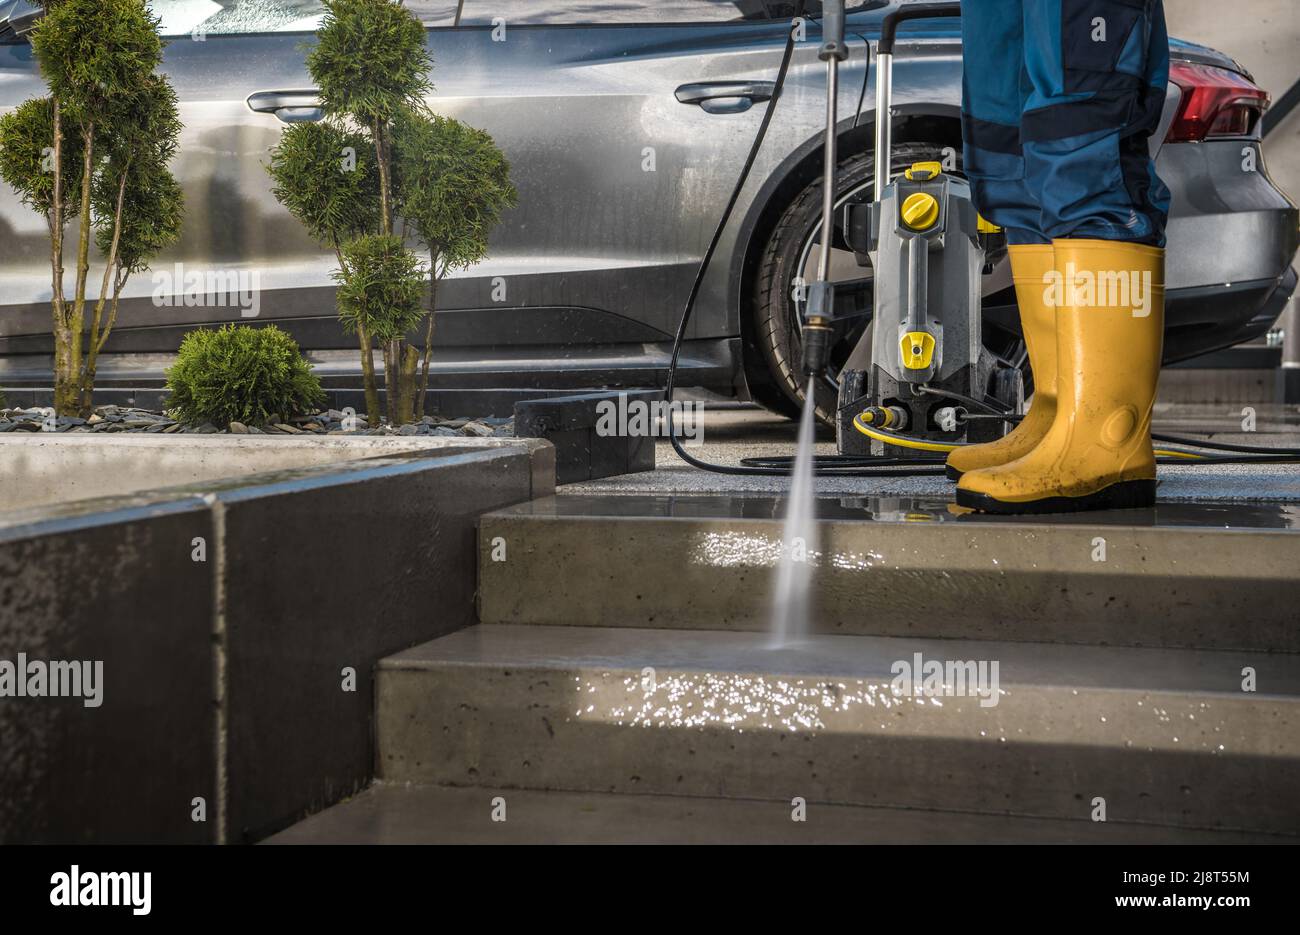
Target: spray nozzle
817 339
818 333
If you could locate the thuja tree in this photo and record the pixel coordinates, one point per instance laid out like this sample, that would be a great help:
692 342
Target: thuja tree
453 184
94 154
406 175
327 177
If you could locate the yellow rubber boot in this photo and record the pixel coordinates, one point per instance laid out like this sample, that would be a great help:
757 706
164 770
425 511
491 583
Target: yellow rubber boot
1030 266
1110 329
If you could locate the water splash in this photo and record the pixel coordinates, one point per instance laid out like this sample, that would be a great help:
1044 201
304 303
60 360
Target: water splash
792 599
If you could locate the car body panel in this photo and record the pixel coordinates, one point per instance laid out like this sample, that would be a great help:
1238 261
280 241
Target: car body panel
586 279
600 250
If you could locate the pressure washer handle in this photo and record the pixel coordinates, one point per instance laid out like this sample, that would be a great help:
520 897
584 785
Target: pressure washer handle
918 284
885 81
889 28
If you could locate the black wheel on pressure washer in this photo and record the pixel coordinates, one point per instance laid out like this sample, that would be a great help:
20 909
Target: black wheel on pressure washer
791 255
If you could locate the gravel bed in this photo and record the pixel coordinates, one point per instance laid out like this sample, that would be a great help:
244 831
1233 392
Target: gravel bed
322 422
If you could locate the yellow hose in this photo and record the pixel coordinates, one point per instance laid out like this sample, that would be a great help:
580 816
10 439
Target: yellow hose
905 441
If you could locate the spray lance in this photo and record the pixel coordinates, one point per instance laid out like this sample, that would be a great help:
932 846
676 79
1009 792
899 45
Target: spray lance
818 332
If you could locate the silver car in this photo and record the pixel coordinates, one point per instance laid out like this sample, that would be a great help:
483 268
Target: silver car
625 123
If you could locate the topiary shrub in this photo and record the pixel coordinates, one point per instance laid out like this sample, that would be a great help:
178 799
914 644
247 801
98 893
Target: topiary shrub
92 159
240 374
379 163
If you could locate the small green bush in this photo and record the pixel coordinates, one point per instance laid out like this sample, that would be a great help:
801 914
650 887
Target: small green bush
242 374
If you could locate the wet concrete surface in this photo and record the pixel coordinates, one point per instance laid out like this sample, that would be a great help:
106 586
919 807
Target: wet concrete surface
1209 675
1168 737
1226 514
397 813
691 562
733 433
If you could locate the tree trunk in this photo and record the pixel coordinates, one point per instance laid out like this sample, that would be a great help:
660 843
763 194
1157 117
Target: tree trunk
87 402
367 347
374 415
428 331
67 379
112 273
406 397
58 305
392 387
385 185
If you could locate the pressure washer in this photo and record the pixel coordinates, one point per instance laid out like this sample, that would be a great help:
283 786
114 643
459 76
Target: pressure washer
920 381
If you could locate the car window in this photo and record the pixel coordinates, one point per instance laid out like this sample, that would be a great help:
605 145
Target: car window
599 12
226 17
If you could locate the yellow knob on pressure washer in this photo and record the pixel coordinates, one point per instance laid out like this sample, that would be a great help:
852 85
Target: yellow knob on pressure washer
920 211
916 350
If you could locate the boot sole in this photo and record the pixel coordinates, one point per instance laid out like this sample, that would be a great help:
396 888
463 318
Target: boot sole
952 472
1127 495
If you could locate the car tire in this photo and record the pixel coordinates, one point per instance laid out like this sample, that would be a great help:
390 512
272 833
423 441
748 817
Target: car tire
776 324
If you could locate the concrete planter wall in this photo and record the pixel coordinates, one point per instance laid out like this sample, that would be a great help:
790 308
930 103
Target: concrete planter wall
227 616
41 468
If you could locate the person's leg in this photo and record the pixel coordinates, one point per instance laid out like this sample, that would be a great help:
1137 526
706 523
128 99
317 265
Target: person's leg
1031 266
995 89
1098 70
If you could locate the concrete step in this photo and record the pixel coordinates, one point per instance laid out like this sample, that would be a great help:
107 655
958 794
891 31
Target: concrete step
1202 576
393 813
1164 737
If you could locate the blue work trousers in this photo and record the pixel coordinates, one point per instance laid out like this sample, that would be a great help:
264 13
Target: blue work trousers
1060 99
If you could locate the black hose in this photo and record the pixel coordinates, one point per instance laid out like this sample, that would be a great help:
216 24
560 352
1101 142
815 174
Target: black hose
967 400
700 272
823 466
1225 446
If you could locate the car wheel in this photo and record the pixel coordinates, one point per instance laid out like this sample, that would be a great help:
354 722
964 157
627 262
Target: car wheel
790 259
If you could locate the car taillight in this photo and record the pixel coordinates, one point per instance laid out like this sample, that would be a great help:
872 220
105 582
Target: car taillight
1216 103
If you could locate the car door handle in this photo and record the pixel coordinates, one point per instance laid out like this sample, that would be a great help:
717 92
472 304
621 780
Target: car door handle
290 106
726 97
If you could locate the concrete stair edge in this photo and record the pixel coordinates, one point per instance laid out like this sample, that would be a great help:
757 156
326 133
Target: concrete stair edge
505 706
401 813
1166 587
